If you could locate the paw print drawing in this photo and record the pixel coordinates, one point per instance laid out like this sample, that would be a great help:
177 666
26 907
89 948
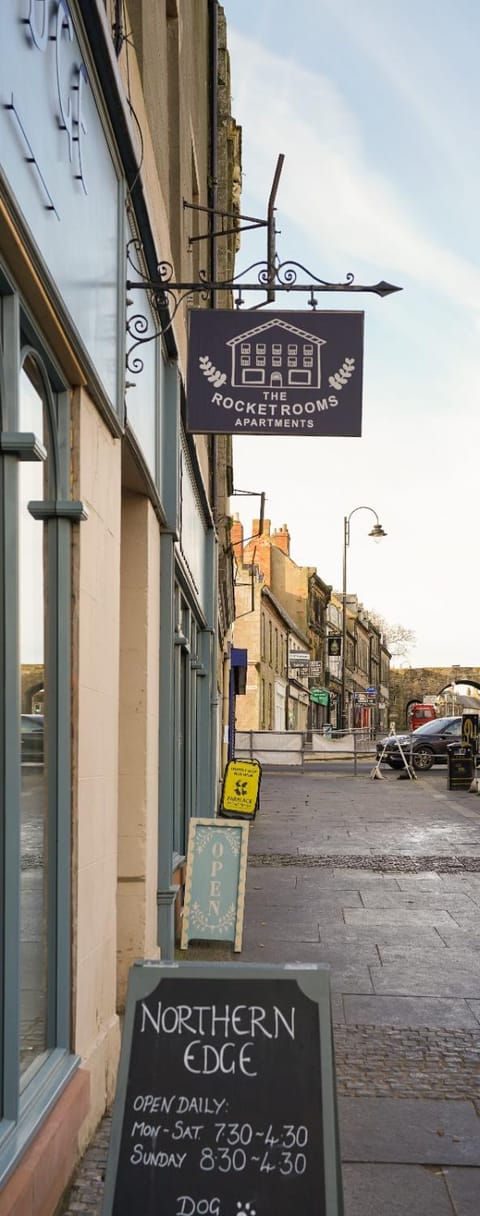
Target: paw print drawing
245 1209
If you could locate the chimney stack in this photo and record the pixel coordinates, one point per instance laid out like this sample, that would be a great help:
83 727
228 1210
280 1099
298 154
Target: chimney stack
256 528
281 539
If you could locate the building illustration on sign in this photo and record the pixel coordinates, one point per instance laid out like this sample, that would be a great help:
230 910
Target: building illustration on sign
263 356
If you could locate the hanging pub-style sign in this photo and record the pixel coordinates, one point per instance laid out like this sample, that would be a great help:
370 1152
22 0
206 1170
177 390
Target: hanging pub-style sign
282 373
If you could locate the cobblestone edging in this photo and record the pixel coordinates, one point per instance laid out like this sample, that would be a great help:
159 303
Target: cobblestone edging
86 1191
374 1061
380 863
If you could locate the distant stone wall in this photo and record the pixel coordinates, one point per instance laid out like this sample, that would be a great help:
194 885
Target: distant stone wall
415 683
32 681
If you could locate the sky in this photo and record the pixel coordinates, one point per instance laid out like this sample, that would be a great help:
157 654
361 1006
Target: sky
375 106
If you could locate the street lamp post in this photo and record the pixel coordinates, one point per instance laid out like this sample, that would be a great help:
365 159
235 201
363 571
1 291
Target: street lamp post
377 532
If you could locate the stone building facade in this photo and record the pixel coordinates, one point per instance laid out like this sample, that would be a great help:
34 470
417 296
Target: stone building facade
316 611
302 596
409 684
117 576
276 695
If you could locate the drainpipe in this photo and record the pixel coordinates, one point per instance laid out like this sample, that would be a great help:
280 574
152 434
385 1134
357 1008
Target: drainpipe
213 203
213 194
287 688
166 889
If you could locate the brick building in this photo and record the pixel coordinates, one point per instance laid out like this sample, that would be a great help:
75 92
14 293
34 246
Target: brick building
299 597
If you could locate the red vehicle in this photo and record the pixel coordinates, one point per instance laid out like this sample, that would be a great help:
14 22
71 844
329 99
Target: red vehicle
418 714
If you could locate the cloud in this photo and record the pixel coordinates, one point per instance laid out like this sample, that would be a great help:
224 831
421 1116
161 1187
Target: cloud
417 463
328 187
419 67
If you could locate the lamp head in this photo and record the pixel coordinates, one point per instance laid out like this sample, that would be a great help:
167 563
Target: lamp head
377 532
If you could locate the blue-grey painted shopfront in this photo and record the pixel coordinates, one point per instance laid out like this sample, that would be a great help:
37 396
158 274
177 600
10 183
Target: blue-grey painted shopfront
63 184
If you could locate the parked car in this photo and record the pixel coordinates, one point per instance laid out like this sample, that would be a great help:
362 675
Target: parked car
31 734
427 745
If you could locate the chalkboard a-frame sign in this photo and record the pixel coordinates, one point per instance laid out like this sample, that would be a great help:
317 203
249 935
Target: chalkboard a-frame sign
225 1101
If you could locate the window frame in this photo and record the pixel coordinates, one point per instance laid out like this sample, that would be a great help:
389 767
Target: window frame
25 1100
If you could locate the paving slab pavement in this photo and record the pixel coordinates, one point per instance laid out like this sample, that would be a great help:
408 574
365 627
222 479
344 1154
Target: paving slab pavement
392 1190
421 1131
382 881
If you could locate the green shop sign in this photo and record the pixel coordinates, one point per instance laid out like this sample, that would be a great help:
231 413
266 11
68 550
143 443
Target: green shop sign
319 695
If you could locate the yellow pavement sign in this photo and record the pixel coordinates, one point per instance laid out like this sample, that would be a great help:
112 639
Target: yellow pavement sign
240 793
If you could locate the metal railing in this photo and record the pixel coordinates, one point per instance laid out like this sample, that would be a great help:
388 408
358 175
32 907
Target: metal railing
296 749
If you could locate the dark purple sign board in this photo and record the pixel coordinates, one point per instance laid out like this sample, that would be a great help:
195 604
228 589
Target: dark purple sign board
277 373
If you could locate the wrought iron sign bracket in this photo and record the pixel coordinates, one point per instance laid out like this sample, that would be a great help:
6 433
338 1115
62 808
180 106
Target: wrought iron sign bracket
248 223
270 276
251 494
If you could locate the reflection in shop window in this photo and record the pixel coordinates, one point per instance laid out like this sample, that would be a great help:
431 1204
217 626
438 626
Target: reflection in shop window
33 597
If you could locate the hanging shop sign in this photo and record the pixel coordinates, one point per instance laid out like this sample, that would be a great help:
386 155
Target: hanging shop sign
319 696
334 645
215 882
298 658
226 1102
293 373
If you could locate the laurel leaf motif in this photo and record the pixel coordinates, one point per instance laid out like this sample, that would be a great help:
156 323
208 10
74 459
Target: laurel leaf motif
343 374
212 373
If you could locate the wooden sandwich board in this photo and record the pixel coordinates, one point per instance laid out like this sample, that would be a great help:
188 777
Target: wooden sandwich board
215 882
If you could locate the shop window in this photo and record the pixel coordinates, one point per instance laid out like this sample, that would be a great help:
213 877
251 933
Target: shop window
34 843
181 732
35 781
